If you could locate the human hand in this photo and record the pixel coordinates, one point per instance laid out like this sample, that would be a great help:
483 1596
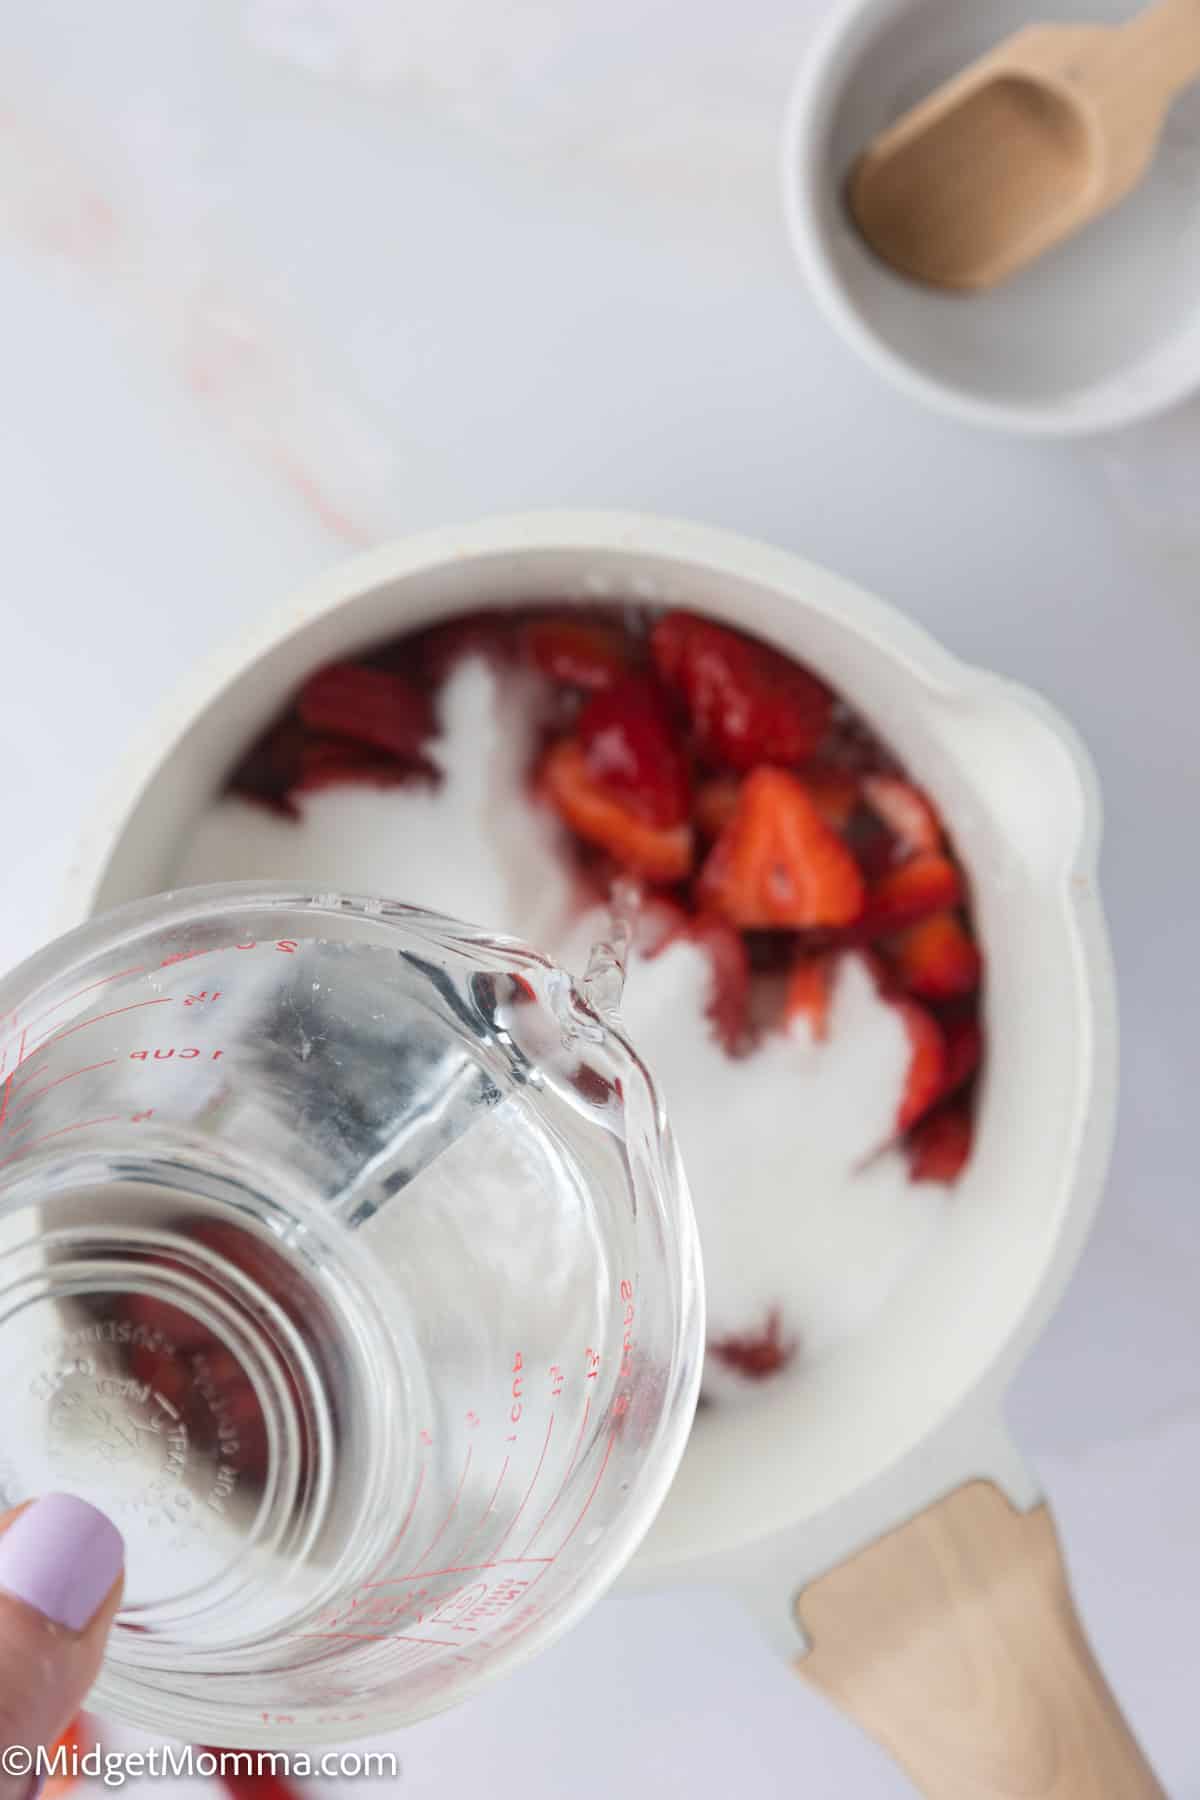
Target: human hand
61 1568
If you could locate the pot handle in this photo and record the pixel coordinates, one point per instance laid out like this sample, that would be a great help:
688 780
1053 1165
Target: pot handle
953 1641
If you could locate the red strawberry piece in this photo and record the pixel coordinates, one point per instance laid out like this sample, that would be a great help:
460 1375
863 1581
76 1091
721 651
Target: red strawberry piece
240 1783
777 863
964 1050
756 1354
335 762
939 1147
809 991
835 795
430 655
271 767
747 703
906 812
376 707
925 1081
585 653
923 885
75 1740
715 803
630 752
871 843
729 991
660 853
936 958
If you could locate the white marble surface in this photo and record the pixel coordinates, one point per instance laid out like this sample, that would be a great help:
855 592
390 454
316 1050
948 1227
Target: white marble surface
283 277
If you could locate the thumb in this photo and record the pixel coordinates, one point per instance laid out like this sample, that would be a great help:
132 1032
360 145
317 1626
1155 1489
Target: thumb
61 1567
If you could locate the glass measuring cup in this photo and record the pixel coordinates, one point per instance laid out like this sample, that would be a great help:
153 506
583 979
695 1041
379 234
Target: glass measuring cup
347 1261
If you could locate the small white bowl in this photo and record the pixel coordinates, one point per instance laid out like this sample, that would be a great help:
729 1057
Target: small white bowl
1099 333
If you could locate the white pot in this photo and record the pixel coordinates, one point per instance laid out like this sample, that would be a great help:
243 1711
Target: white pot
772 1494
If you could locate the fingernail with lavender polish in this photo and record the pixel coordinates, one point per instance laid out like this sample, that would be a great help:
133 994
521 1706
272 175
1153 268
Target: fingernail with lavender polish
61 1556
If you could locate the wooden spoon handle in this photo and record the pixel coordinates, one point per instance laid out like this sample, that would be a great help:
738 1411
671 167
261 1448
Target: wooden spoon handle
1161 46
954 1642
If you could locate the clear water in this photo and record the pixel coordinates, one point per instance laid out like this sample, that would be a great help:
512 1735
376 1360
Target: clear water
180 1348
313 1271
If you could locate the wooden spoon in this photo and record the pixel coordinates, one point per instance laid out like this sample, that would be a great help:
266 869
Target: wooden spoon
1023 148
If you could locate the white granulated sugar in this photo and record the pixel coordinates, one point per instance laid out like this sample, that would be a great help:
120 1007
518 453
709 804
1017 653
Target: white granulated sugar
799 1209
476 846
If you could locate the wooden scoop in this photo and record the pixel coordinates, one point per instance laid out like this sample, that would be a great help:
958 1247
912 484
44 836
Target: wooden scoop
1023 148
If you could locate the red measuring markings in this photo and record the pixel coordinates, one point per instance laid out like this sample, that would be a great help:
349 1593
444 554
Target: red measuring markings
165 1054
504 1562
468 1608
488 1509
479 1603
562 1486
83 1125
49 1040
518 1388
442 1527
286 945
528 1490
591 1495
12 1083
408 1519
120 975
473 1607
37 1093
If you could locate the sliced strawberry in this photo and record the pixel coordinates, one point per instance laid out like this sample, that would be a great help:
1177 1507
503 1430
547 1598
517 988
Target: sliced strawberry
376 707
756 1354
660 853
729 997
964 1050
872 844
747 703
939 1147
809 991
777 863
241 1783
714 804
269 771
936 958
835 795
729 989
334 762
906 812
75 1740
924 885
630 752
585 653
432 654
925 1081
